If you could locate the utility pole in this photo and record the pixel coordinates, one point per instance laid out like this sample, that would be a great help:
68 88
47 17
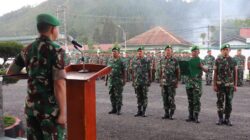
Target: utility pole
61 15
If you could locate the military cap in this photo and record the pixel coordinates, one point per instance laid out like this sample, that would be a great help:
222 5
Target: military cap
225 46
194 47
115 48
168 46
47 18
140 48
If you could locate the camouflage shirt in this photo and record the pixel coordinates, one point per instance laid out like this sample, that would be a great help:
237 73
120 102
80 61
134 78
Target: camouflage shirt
44 61
116 75
194 80
140 68
240 60
169 68
224 66
209 61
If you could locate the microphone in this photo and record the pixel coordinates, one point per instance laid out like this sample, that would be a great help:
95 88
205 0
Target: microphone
74 42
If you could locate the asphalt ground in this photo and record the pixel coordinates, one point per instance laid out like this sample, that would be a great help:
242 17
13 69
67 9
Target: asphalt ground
128 127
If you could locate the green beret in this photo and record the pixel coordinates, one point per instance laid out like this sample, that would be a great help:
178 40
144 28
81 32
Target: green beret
116 49
168 46
140 48
225 46
49 19
194 47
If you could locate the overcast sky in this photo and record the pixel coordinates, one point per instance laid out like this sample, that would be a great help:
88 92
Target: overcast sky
7 6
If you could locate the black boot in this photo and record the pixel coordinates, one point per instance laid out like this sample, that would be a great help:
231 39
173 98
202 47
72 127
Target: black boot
171 114
113 111
227 120
190 117
166 116
139 113
118 110
144 112
196 117
220 121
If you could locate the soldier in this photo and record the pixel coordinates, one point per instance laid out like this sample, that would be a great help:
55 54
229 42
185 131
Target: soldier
45 105
86 58
194 85
209 62
169 75
116 79
156 66
240 60
141 81
225 83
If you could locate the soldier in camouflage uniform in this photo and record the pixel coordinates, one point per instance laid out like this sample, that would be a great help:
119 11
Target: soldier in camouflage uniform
86 58
45 105
116 79
225 83
240 60
156 66
209 62
194 87
141 81
169 75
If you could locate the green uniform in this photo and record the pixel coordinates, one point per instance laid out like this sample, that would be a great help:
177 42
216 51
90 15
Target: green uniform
169 69
194 91
209 62
116 82
240 60
43 60
225 66
141 71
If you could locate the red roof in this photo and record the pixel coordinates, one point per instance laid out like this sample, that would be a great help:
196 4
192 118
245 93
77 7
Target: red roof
157 36
245 32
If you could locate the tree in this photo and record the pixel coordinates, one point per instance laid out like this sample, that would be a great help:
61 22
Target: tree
9 49
203 36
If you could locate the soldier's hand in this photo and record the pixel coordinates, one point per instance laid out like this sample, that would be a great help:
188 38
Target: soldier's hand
106 83
215 88
176 85
124 82
61 119
235 88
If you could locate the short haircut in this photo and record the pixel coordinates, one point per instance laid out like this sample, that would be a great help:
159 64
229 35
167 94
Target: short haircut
43 27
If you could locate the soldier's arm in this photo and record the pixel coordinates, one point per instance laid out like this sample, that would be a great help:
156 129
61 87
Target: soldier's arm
235 77
215 77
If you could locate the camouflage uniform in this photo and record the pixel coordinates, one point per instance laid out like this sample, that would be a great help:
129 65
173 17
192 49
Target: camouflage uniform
140 73
157 67
224 67
169 68
42 59
209 62
116 83
240 60
194 92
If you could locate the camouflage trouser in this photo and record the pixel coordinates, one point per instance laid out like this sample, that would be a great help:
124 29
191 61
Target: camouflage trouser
141 92
194 95
240 77
115 93
209 76
168 95
41 128
225 94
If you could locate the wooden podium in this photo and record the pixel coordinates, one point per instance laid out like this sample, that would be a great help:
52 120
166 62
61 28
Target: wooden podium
81 100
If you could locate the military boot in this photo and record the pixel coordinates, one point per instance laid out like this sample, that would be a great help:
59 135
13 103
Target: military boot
113 111
220 121
171 114
166 116
118 110
196 118
227 120
190 117
139 112
144 112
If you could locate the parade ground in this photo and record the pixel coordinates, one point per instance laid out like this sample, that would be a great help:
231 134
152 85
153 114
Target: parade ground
128 127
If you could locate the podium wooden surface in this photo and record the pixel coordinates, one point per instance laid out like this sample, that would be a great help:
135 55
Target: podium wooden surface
81 100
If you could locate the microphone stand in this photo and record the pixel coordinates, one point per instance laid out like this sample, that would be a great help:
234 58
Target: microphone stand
83 70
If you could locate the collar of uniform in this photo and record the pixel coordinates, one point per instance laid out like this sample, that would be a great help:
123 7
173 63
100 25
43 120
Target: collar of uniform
44 38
